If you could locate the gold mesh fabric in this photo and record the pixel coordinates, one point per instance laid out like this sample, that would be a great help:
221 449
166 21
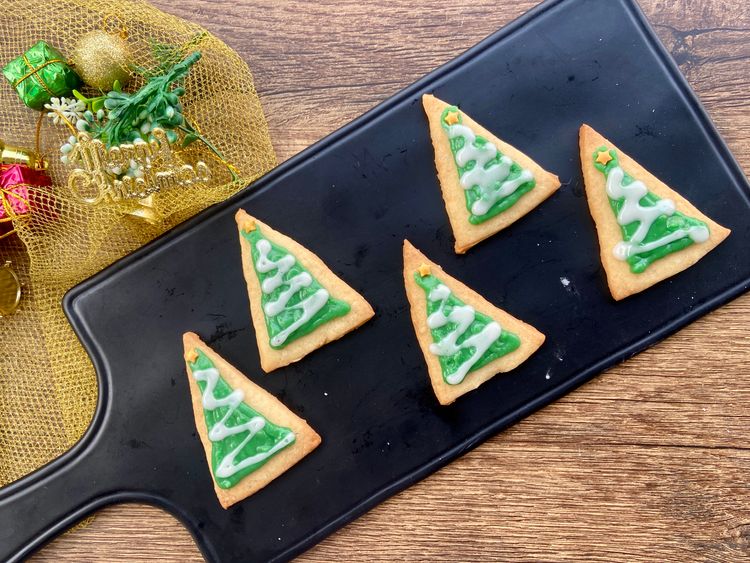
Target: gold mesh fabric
47 384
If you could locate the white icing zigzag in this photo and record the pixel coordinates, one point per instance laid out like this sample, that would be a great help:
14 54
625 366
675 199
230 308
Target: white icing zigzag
227 466
492 181
463 316
632 210
309 306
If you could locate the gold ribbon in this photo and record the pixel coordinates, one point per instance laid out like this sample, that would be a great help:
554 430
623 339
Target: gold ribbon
10 215
106 28
212 152
33 72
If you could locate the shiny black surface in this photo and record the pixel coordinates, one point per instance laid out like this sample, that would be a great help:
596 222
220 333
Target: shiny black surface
352 199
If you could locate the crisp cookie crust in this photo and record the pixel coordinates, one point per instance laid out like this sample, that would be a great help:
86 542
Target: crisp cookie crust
531 338
265 404
622 282
270 358
467 234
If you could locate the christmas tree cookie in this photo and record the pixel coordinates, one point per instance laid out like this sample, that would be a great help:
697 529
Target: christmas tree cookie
465 339
297 303
647 231
487 184
249 436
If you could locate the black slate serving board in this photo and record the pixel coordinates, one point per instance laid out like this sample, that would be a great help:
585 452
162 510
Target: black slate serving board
352 198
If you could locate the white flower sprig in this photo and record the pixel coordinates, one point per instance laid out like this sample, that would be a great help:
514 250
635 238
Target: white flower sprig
65 108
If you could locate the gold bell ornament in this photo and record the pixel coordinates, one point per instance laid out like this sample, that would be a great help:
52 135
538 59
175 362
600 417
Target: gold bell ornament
10 154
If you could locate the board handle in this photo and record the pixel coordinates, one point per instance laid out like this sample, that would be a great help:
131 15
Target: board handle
40 506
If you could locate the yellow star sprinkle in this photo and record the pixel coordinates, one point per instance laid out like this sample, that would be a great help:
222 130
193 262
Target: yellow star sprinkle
191 356
603 157
451 118
248 225
424 270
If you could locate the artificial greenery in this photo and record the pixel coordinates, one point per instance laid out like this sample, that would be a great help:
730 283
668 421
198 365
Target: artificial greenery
120 117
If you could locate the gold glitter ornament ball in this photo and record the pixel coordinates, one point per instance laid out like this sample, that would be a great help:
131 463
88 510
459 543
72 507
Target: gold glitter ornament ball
100 58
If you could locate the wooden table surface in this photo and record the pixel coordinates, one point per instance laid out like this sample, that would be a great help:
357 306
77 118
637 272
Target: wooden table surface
648 462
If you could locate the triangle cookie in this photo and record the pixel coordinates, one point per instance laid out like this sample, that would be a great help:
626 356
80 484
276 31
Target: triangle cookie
297 303
647 231
249 436
487 184
465 339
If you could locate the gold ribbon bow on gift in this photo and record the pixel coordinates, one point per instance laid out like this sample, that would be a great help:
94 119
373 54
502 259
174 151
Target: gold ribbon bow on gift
34 72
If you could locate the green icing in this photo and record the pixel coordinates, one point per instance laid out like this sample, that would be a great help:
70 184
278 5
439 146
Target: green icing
276 324
660 228
263 441
474 194
506 343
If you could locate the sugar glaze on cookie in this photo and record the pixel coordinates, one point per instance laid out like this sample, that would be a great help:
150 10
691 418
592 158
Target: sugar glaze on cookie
488 174
652 227
228 466
463 339
463 317
309 306
632 210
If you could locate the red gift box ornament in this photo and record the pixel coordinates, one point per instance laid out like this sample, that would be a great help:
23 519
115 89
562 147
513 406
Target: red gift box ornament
18 197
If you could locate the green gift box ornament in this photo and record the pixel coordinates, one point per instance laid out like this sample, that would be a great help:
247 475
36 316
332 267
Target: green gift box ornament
40 74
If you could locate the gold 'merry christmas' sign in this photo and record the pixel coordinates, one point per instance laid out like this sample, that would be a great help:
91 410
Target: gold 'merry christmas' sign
95 181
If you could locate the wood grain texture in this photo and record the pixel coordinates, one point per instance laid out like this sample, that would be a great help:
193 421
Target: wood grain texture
648 462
